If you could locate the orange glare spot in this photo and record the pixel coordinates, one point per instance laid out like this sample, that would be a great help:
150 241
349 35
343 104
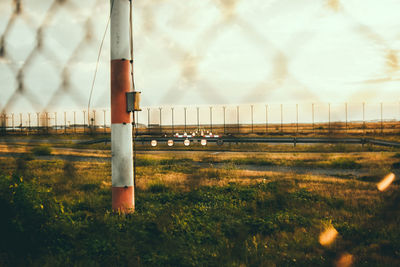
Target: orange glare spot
346 260
328 236
386 182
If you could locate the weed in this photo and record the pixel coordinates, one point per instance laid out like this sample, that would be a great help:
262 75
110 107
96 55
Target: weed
344 163
42 150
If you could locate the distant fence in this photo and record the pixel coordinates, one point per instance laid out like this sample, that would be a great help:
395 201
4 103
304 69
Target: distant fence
317 118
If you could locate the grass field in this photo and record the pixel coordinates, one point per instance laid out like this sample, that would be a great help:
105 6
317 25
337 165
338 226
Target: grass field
202 209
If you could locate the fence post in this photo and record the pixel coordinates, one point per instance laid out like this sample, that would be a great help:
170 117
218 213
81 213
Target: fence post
4 123
84 121
148 119
381 118
312 114
252 118
364 126
74 121
172 119
29 122
346 116
297 118
224 110
55 121
160 109
47 122
281 118
266 119
38 120
329 117
12 121
94 121
211 122
184 109
65 122
20 122
237 117
104 121
198 118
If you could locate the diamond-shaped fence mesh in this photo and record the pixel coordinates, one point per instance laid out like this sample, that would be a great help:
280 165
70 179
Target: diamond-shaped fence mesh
202 68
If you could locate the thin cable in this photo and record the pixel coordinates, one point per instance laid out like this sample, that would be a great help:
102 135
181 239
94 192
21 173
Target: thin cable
98 59
133 88
131 42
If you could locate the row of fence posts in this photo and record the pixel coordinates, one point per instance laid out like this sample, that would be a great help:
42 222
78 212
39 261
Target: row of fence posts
91 126
267 123
43 124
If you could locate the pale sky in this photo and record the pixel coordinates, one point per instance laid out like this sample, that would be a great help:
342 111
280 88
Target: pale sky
203 52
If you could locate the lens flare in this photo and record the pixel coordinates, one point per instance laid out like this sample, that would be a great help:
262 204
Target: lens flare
328 236
345 260
386 182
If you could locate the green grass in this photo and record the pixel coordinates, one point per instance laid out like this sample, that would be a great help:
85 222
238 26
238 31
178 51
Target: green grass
57 213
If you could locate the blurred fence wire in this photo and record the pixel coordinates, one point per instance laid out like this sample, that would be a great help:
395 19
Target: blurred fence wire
48 51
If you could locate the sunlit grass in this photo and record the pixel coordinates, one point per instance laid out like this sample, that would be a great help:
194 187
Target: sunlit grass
208 210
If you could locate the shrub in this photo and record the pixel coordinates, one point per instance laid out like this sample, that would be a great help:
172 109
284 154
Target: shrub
345 163
28 215
158 187
42 150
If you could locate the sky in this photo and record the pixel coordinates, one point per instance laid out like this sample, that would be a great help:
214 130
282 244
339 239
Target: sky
204 52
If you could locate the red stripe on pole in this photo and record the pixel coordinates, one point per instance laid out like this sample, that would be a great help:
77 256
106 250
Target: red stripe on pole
120 84
123 199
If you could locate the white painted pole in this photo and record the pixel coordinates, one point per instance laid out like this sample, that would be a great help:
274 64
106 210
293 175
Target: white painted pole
121 122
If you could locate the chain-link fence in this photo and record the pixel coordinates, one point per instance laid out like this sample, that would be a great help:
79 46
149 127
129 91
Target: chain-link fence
226 51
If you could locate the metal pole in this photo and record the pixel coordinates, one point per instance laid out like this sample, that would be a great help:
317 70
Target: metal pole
84 121
198 119
29 122
266 118
12 120
237 117
211 122
104 121
172 118
55 120
38 120
346 115
20 122
381 118
74 121
224 110
94 121
252 119
185 117
148 119
65 122
297 118
160 120
282 118
329 117
123 199
312 114
47 122
364 128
